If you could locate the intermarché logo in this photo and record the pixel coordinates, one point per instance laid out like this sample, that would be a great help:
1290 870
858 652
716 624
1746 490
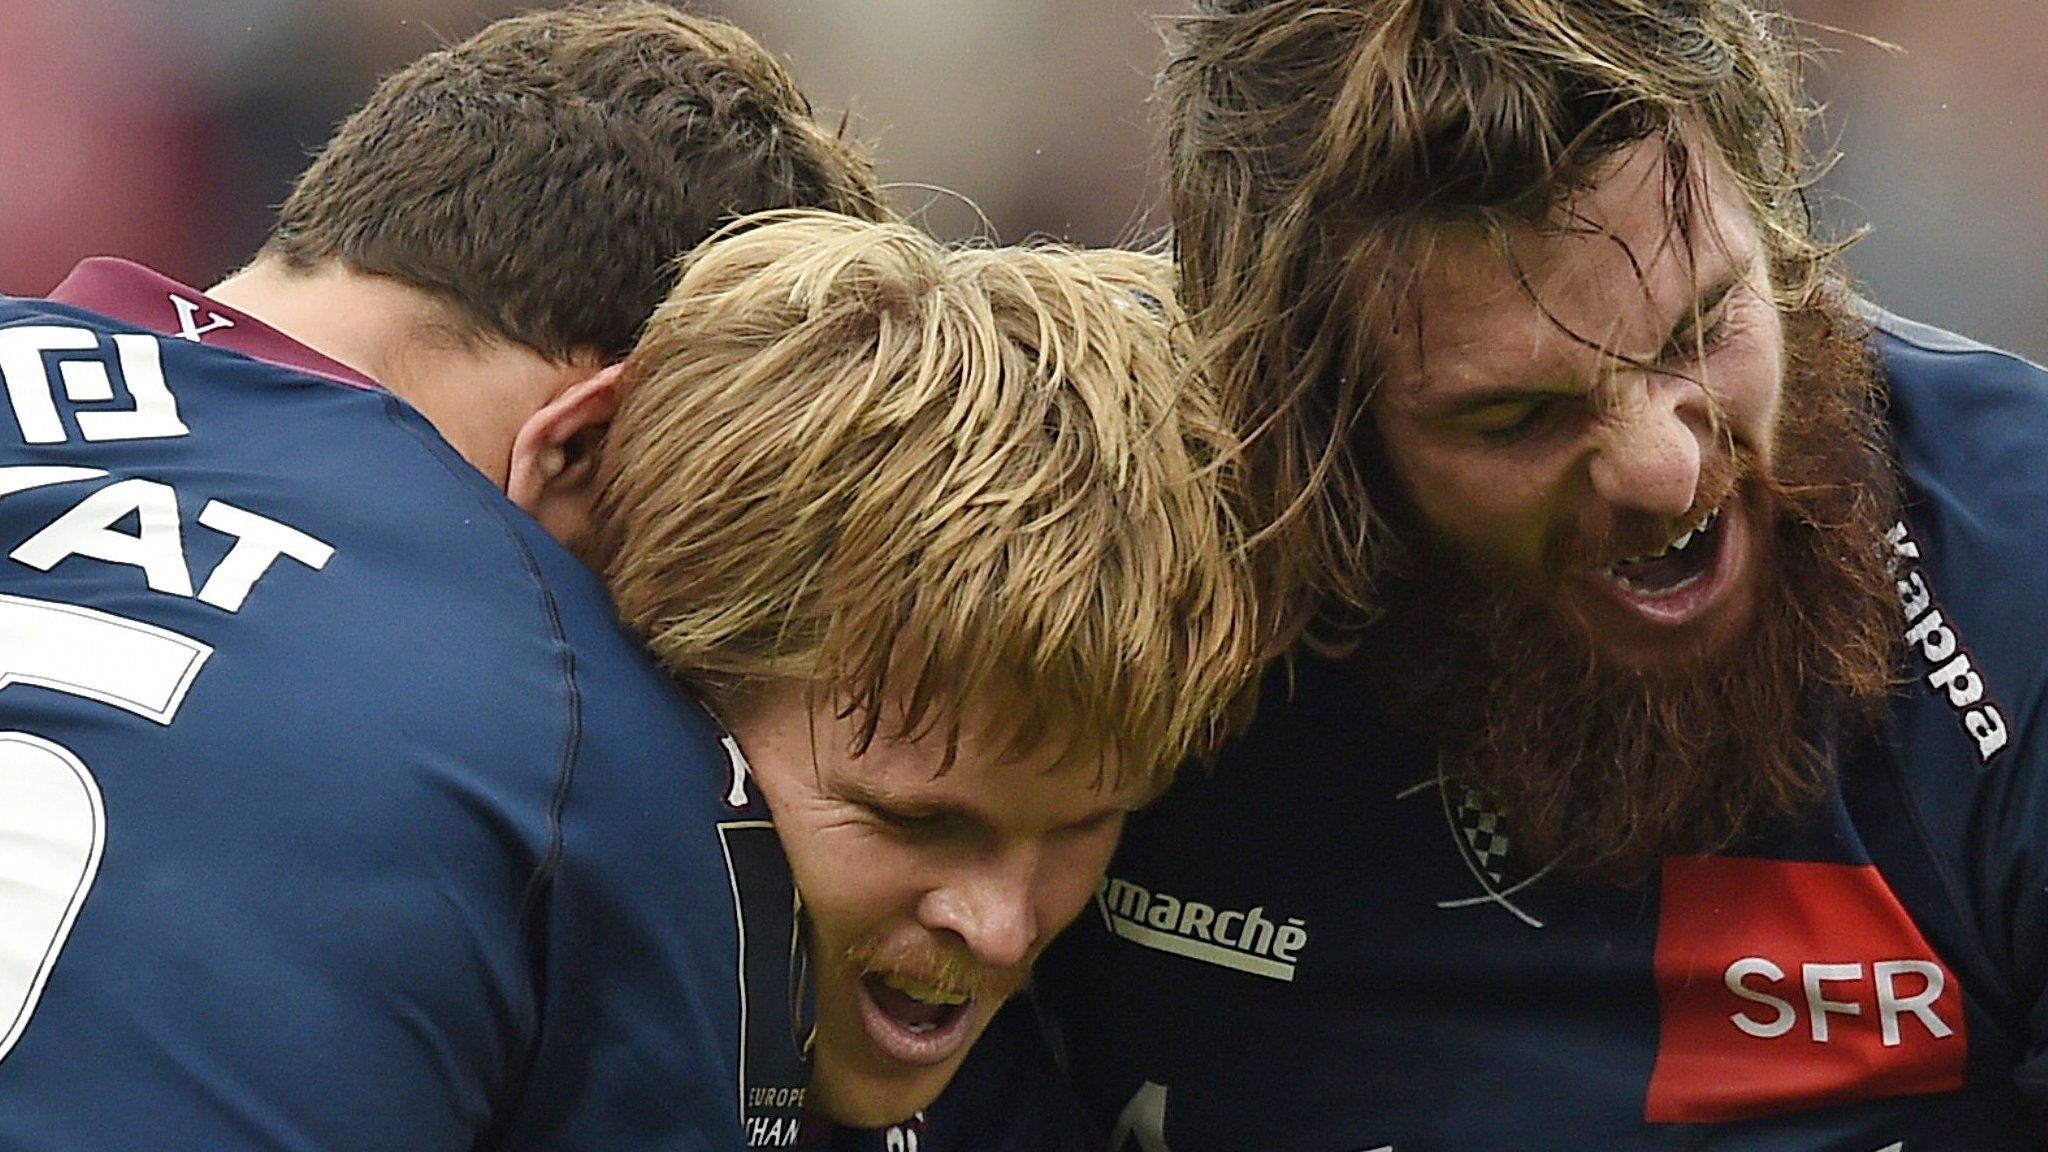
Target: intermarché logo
1246 940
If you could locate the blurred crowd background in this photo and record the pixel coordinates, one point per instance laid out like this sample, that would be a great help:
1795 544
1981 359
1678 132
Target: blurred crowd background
165 130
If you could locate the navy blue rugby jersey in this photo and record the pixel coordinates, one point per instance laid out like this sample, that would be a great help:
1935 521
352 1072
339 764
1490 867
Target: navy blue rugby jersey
1325 947
336 810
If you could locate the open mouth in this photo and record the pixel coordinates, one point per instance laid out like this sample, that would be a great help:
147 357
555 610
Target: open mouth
912 1020
1684 579
1675 567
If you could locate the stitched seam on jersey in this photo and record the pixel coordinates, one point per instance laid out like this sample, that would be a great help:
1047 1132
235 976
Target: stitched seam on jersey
1899 328
531 933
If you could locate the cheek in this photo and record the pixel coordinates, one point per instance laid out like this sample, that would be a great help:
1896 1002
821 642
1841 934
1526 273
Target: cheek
1494 503
851 878
1748 384
1072 871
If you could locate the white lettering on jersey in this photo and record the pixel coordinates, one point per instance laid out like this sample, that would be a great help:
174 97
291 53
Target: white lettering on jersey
773 1131
188 315
156 547
1881 990
155 415
88 530
53 826
53 829
259 541
736 791
22 477
1950 670
1246 941
28 385
904 1137
86 381
1143 1119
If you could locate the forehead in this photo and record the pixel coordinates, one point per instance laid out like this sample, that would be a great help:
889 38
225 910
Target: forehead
980 755
1613 276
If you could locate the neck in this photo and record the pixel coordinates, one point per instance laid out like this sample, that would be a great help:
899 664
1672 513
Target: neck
363 321
476 391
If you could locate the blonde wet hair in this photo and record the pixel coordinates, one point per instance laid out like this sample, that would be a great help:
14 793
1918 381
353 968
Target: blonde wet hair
917 477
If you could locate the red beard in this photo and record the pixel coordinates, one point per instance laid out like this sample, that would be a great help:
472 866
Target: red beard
1602 769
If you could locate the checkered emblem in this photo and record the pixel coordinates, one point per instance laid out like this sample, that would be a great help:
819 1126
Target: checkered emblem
1479 832
1484 831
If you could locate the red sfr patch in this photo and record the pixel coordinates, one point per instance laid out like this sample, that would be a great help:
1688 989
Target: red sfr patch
1785 986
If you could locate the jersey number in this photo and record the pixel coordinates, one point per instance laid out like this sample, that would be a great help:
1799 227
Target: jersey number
52 824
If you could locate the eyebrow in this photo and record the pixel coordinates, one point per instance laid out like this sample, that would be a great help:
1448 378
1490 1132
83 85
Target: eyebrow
1521 392
919 808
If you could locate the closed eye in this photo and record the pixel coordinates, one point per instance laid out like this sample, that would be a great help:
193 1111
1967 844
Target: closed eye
912 824
1508 421
1706 332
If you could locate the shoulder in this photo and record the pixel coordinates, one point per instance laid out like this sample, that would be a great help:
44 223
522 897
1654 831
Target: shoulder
321 539
1971 553
1958 408
1970 561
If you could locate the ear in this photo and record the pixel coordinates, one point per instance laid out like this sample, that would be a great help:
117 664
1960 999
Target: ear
554 454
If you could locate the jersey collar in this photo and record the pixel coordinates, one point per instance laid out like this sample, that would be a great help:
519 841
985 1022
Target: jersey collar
133 294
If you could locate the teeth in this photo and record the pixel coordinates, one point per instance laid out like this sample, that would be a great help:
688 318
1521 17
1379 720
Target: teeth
922 992
1677 545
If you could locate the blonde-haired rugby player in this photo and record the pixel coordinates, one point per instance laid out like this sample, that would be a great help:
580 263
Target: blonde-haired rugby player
943 538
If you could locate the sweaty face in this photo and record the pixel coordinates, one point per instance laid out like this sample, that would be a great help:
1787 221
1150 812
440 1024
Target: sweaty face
929 889
1578 408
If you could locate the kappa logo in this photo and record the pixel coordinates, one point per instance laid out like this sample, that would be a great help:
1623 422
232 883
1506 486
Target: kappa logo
1479 832
1789 985
1946 660
1246 941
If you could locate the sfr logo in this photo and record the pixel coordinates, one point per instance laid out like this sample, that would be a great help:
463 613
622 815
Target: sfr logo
1754 978
1786 985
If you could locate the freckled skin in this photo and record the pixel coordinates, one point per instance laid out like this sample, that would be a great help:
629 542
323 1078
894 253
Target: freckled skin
997 856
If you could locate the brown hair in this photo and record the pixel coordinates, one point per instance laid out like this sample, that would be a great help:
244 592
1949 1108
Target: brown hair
543 175
1317 146
913 475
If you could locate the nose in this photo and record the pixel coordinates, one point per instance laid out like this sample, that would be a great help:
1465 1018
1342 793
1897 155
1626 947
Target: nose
991 904
1649 459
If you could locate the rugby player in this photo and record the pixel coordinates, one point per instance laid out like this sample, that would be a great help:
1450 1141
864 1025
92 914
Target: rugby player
942 539
336 810
1655 768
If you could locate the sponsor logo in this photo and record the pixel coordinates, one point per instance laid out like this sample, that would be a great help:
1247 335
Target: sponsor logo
1947 664
1245 940
1785 985
189 327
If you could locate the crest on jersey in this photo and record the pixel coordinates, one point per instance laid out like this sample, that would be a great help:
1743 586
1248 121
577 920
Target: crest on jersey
1479 832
